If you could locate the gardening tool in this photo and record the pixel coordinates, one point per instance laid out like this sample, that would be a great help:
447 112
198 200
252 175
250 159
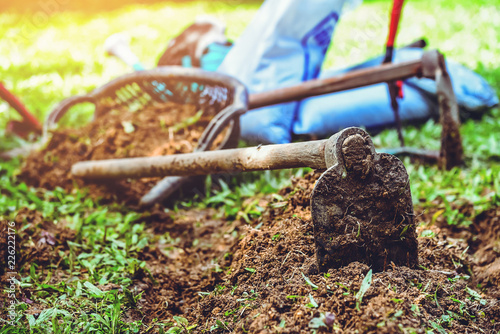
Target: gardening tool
264 157
361 205
395 87
118 45
29 123
221 93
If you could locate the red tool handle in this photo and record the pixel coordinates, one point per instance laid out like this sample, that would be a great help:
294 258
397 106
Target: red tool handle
29 121
395 87
395 15
397 6
393 28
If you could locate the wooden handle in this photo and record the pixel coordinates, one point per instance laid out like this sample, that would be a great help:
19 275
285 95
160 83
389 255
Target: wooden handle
355 79
31 121
306 154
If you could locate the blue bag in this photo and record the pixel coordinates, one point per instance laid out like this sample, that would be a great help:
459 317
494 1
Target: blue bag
284 45
370 106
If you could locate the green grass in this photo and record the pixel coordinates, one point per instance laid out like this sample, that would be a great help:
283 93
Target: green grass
63 56
463 192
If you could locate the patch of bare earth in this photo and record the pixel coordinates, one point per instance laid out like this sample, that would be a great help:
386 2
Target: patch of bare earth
262 277
259 281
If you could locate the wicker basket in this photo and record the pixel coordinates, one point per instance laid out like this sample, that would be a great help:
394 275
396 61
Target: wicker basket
220 96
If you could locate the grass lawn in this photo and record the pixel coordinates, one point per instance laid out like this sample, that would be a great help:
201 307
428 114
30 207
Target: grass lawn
48 56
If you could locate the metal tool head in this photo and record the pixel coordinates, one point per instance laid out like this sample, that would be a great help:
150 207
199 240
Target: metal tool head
361 206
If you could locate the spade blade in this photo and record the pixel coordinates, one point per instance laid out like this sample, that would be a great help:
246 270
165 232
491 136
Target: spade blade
362 208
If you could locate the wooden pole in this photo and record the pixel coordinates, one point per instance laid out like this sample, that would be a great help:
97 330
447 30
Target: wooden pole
305 154
355 79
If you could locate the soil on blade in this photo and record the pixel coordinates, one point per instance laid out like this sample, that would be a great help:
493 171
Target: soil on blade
362 210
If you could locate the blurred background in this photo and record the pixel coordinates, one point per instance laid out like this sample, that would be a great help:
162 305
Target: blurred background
53 49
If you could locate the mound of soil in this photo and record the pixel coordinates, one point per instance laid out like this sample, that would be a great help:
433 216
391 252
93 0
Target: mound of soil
118 133
262 277
266 280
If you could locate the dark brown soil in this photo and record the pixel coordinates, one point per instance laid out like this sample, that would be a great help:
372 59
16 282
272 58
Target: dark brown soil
107 138
262 278
230 276
264 286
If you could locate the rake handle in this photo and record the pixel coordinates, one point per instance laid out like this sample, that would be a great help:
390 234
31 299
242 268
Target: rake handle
305 154
359 78
15 103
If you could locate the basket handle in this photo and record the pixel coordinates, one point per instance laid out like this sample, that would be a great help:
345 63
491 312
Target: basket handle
62 108
217 124
163 189
166 186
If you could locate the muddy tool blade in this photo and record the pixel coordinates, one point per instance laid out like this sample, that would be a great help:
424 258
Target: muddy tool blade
361 207
451 152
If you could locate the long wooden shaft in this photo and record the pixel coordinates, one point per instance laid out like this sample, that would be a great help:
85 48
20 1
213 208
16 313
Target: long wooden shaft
305 154
359 78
